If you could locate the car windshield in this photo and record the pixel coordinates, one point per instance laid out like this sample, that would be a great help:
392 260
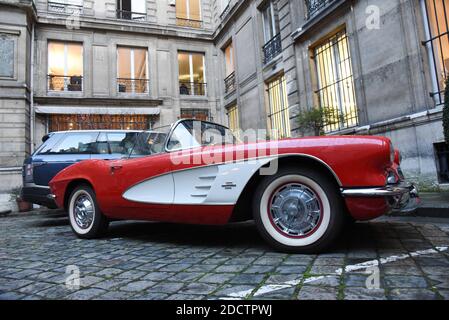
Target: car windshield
148 143
194 133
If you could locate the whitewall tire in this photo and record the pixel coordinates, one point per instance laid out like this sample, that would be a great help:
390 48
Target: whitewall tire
86 219
298 210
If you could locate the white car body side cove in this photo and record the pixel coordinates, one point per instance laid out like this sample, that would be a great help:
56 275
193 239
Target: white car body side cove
208 185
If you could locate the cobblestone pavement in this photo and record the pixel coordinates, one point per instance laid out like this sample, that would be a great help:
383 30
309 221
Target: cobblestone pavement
142 260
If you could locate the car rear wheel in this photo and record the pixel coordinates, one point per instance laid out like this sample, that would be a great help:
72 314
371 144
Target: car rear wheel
298 210
86 219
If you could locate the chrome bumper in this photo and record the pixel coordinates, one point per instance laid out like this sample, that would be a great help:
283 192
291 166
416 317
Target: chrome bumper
402 197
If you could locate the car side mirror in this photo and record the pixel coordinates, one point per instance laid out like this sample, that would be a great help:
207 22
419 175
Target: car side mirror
45 138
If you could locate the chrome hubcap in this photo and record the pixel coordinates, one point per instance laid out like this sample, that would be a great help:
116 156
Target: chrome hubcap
83 211
295 209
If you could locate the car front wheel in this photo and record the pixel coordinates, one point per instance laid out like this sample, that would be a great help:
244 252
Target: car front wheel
298 210
86 219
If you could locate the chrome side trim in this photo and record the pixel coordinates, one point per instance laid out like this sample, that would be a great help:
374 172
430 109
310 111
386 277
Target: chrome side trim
387 191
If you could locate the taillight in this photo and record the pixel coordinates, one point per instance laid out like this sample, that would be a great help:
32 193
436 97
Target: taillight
29 173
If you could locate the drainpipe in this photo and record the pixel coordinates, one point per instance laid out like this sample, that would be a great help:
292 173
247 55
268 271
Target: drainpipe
32 91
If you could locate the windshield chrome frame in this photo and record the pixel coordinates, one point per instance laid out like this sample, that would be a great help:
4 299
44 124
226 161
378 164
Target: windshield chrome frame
175 124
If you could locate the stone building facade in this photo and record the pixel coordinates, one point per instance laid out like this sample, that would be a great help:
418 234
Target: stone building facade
377 65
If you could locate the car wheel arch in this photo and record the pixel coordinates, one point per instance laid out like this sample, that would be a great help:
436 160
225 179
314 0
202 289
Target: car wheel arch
72 186
243 210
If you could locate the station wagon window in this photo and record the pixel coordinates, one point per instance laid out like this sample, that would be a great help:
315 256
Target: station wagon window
74 143
190 134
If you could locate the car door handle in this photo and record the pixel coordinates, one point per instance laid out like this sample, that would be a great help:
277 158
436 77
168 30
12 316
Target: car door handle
115 168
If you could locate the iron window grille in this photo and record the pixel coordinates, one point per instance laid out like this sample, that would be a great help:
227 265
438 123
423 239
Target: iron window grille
64 83
437 44
129 15
128 85
64 8
336 92
63 122
192 88
198 114
230 83
272 48
189 23
315 6
278 115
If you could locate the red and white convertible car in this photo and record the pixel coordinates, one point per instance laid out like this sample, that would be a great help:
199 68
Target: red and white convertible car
300 192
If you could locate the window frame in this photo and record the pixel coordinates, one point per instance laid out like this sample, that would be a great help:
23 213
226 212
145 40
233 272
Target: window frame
65 43
332 42
191 74
437 92
283 112
132 71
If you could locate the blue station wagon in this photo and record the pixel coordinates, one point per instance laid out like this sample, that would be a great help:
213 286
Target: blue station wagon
64 148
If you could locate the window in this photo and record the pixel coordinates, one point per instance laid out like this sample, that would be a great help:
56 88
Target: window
74 143
188 13
336 93
191 74
270 22
315 6
65 66
437 44
192 133
66 6
271 32
148 143
442 157
229 69
7 52
278 115
132 73
233 119
198 114
116 143
63 122
131 10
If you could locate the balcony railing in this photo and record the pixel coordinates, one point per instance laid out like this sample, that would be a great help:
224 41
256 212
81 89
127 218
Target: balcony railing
272 48
128 15
64 83
190 23
192 88
230 83
314 6
127 85
64 8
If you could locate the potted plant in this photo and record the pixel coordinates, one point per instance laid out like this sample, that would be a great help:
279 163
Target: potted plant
314 120
21 204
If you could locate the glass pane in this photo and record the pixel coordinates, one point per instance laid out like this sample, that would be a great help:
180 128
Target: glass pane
229 59
56 59
187 134
181 9
268 23
194 10
121 143
184 68
78 143
437 12
140 64
124 63
198 68
138 6
74 59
